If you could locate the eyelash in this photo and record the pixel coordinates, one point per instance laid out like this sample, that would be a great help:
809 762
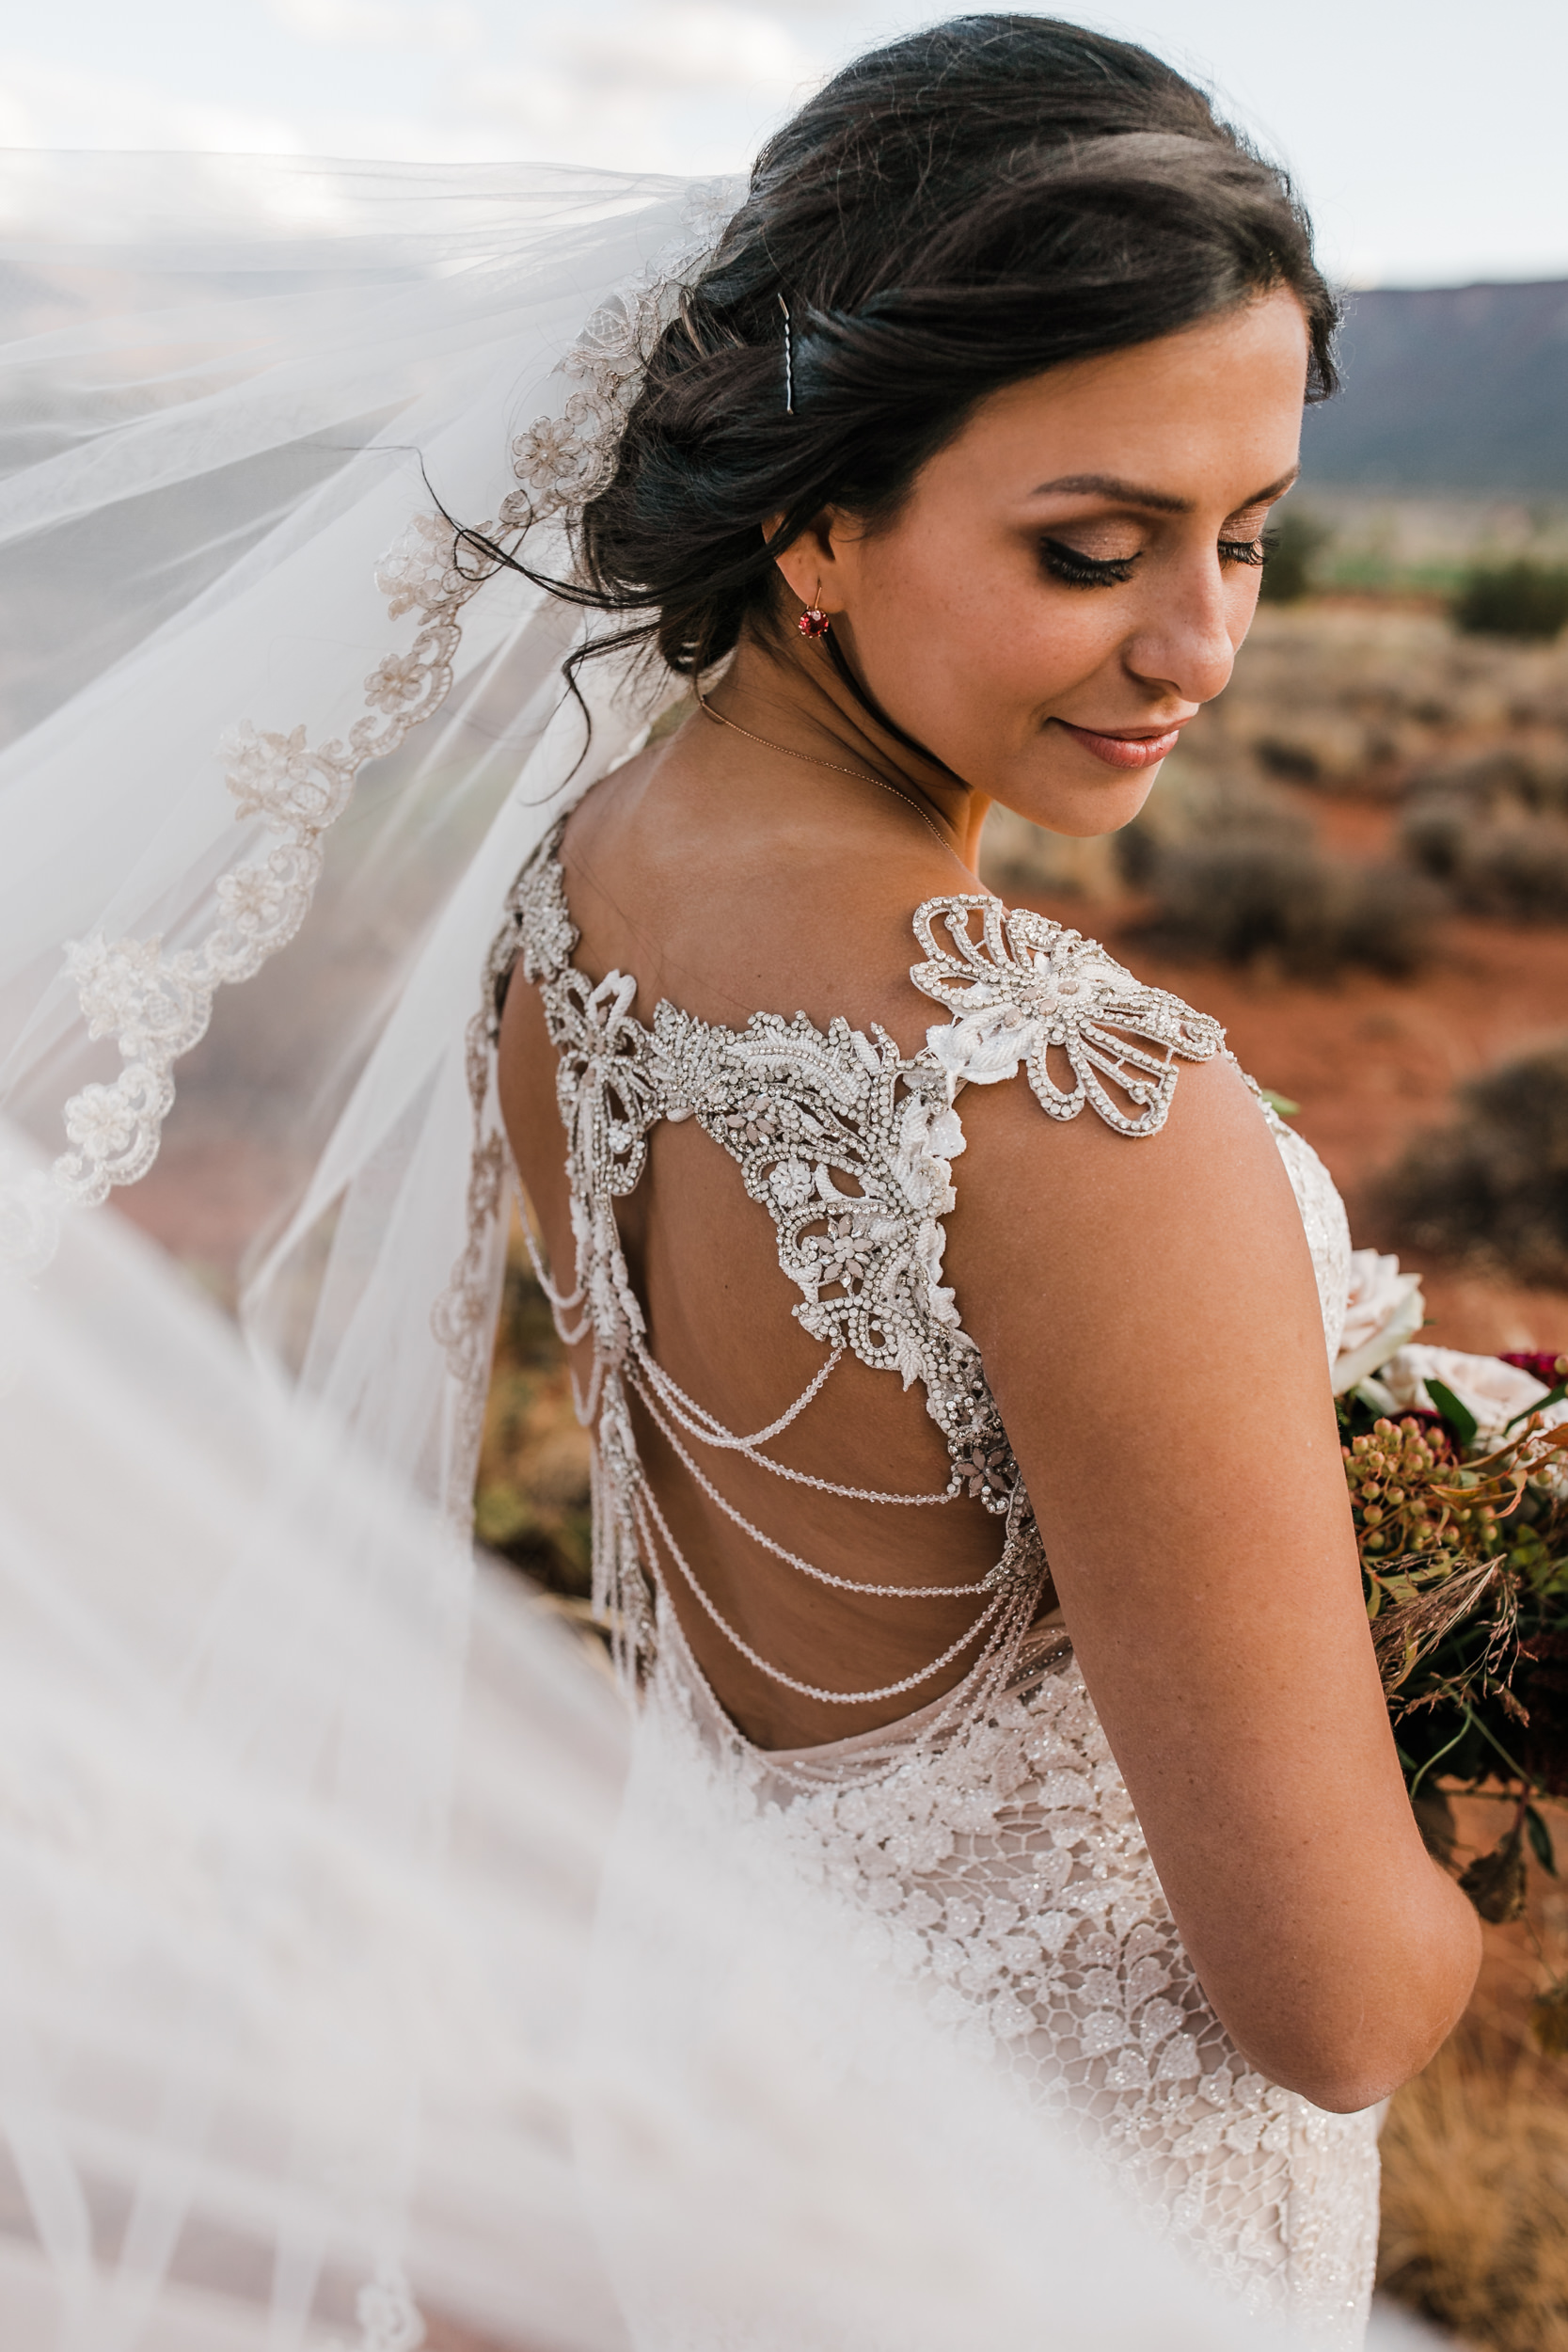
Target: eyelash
1085 571
1253 551
1092 571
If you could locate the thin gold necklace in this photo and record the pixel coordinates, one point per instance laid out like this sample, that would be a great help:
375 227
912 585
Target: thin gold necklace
812 761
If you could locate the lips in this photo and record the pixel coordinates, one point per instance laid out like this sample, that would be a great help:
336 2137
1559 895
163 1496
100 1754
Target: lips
1124 751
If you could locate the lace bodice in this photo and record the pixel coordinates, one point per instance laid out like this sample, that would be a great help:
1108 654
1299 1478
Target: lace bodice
984 1848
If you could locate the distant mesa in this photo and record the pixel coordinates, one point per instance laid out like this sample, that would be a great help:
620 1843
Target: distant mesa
1457 389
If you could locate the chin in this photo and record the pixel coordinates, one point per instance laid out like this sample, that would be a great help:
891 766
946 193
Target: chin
1083 812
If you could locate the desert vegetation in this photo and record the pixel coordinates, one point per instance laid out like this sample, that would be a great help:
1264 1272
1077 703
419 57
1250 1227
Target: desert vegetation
1517 599
1475 2151
1475 2178
1491 1186
531 1505
1493 831
1233 870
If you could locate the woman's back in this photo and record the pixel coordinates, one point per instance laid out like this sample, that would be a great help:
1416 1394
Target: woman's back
761 911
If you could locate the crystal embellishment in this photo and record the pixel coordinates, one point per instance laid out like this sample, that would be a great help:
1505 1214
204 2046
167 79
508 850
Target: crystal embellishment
1026 986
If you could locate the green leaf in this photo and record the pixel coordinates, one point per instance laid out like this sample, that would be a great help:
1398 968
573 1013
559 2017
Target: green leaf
1540 1839
1459 1417
1280 1103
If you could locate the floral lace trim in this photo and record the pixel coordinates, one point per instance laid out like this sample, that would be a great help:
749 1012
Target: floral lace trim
562 461
1004 1873
387 2316
157 1005
793 1106
463 1318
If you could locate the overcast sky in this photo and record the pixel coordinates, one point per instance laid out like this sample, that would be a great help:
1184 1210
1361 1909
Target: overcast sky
1427 134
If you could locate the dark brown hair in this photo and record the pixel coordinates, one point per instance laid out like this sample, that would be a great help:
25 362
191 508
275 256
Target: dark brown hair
969 206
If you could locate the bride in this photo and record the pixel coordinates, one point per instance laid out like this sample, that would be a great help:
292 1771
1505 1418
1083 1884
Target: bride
949 1310
1012 1859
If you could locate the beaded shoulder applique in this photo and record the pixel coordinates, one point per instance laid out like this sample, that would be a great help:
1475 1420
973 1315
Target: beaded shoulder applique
1025 985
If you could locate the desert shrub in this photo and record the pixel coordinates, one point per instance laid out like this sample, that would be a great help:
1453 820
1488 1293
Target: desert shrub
1337 749
1492 1186
1474 2174
1511 866
1294 544
1289 757
1510 774
1493 830
1518 599
1264 891
532 1495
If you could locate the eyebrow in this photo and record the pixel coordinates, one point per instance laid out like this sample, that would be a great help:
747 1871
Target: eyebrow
1160 501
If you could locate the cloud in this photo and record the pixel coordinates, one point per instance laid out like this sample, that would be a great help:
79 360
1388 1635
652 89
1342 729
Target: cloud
681 86
46 103
690 46
428 24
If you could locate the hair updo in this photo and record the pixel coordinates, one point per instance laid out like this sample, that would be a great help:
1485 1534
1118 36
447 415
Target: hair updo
962 208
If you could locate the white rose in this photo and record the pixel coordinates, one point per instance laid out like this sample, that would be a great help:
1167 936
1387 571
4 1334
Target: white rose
1384 1307
1497 1394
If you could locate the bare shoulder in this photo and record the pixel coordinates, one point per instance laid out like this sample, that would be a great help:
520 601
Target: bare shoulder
731 899
1160 1269
1127 1247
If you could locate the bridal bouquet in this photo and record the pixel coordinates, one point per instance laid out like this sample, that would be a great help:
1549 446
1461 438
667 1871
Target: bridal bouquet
1458 1472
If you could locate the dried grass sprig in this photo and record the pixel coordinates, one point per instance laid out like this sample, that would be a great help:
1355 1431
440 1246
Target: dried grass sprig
1413 1627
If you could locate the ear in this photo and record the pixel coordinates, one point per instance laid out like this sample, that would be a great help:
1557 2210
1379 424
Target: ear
813 564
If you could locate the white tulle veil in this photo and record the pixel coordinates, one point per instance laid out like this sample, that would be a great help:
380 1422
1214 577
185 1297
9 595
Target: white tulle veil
300 1825
235 621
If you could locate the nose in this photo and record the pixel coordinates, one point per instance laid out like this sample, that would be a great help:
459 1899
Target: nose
1182 643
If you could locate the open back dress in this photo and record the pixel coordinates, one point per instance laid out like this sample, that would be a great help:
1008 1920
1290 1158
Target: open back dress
983 1849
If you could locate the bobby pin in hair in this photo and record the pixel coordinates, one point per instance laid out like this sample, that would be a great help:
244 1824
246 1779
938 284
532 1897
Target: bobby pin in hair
789 360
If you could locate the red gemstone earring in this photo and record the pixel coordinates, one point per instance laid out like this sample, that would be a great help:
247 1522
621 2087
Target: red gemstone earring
813 621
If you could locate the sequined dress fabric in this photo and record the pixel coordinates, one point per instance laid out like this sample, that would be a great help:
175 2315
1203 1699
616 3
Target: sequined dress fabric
984 1849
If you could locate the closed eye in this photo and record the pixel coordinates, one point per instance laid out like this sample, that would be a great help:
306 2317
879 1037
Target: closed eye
1078 570
1253 551
1085 571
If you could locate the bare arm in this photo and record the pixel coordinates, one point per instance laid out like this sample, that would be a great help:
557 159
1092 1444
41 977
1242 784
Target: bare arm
1149 1325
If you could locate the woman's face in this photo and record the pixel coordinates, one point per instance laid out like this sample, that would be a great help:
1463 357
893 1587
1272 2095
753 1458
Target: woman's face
1070 579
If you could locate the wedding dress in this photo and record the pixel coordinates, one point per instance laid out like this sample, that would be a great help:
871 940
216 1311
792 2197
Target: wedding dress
983 1849
302 1828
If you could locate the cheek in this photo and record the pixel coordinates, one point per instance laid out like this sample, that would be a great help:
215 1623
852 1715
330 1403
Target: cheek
993 644
1242 585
